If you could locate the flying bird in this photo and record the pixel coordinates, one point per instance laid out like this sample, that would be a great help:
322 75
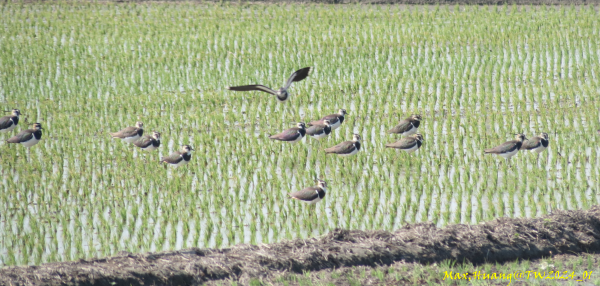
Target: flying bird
282 93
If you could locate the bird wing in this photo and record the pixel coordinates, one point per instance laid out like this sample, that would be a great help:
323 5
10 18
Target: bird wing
316 129
297 76
5 122
253 87
532 143
307 194
402 127
126 132
174 158
23 136
287 135
143 142
333 119
503 148
342 148
404 143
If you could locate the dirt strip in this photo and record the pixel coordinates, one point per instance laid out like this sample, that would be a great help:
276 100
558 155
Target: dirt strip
504 239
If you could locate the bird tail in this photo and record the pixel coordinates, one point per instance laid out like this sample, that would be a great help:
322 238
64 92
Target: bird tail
488 151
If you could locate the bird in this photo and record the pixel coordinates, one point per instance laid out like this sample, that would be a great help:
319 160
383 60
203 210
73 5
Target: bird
537 143
28 137
130 134
346 148
335 120
319 131
407 126
282 93
509 148
149 143
291 135
8 123
409 144
179 158
311 195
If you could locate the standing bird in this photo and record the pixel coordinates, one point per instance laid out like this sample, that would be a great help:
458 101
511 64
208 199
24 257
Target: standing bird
319 131
28 137
291 135
509 148
130 134
409 144
149 143
335 120
8 123
311 195
179 158
537 143
282 93
407 126
346 148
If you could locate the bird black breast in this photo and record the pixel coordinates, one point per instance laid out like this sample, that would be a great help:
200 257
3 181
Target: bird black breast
187 156
419 143
416 123
517 146
321 193
15 120
302 131
282 95
140 132
357 145
341 119
545 143
156 143
327 129
37 134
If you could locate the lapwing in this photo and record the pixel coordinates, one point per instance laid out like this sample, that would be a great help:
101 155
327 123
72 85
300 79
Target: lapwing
346 148
537 143
291 135
319 131
149 143
408 144
282 93
509 148
311 195
8 123
28 137
179 158
407 126
335 120
130 134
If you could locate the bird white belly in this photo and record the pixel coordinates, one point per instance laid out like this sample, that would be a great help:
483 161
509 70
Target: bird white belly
9 128
297 139
509 154
183 162
351 153
131 139
336 125
31 142
538 149
150 148
313 201
411 131
319 136
412 149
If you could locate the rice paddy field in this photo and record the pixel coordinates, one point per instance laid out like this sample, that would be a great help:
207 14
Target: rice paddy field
477 74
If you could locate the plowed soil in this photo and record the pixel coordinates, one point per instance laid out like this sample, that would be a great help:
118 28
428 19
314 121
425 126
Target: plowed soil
504 239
